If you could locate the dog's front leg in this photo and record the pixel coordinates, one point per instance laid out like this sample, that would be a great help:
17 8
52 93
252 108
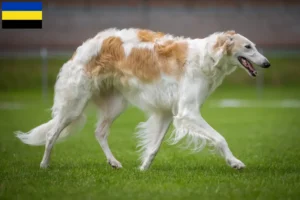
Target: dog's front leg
189 122
221 145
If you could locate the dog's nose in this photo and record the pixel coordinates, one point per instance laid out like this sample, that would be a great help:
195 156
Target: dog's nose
266 64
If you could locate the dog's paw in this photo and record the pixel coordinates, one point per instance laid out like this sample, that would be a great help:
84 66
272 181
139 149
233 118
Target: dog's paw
236 164
114 164
44 165
143 168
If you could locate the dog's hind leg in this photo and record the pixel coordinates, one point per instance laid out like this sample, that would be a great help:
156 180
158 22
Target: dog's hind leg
73 89
68 113
111 106
151 134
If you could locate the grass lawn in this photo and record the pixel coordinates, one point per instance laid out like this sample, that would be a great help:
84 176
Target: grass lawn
265 139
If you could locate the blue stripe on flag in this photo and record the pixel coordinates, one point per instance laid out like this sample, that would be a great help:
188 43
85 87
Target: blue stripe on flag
21 6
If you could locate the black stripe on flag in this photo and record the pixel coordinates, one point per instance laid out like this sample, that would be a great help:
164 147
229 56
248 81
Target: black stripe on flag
21 24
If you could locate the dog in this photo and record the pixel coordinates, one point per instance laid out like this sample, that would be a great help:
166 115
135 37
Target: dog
167 77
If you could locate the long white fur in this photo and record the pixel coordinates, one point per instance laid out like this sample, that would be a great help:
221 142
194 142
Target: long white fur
164 100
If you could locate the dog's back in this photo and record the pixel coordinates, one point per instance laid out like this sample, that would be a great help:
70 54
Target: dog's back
133 53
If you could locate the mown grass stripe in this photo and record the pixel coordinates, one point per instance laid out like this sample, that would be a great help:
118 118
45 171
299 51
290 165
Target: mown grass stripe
22 15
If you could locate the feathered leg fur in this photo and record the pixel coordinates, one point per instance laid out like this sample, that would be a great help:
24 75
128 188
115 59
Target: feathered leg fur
151 134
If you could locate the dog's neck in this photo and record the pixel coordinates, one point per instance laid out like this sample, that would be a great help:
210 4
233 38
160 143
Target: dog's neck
214 63
211 64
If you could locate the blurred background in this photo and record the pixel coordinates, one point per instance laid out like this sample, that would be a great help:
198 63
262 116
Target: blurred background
37 55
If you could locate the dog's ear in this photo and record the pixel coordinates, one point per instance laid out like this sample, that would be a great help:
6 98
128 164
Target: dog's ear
230 32
225 42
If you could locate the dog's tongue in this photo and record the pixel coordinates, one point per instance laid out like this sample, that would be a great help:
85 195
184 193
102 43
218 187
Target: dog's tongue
248 65
245 63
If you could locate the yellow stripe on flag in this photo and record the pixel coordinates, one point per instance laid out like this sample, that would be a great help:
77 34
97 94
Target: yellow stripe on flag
22 15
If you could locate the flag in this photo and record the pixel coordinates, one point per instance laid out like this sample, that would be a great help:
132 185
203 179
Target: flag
22 15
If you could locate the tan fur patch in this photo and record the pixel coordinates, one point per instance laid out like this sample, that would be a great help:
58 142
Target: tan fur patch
173 55
147 64
141 63
224 42
231 32
149 36
111 53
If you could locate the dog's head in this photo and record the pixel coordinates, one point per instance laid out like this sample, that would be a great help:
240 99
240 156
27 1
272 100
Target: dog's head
241 52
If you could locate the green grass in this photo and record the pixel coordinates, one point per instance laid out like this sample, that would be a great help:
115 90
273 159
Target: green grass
265 139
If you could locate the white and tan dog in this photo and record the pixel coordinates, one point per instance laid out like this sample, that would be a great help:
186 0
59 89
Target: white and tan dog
167 77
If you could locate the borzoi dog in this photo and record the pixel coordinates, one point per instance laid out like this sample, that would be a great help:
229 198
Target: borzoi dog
167 77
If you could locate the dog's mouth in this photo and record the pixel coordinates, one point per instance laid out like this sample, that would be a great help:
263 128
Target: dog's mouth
248 66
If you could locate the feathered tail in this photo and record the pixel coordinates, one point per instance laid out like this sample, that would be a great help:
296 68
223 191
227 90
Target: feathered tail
37 136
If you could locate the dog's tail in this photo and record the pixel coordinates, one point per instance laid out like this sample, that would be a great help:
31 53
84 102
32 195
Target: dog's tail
37 136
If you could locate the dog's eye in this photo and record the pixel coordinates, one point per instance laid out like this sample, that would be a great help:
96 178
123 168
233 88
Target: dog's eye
248 46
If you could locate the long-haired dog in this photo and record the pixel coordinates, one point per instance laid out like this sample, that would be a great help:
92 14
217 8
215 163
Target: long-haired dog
167 77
